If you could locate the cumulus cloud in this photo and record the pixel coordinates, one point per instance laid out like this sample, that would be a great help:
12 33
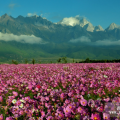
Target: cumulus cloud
70 21
80 39
32 14
107 42
31 39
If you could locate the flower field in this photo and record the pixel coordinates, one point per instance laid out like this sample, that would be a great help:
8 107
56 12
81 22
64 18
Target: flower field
76 91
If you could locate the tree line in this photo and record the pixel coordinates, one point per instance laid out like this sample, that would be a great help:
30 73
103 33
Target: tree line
64 60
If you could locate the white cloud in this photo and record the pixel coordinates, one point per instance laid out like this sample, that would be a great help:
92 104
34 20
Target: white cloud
107 42
31 39
70 21
32 14
29 14
80 39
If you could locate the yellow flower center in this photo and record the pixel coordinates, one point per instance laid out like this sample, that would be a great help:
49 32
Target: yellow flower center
95 118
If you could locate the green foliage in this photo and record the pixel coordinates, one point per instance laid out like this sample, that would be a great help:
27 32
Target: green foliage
73 61
14 62
99 61
87 60
64 59
59 60
33 61
20 51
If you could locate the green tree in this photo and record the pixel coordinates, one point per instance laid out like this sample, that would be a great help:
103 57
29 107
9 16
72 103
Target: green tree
33 61
64 59
14 62
73 61
87 60
59 60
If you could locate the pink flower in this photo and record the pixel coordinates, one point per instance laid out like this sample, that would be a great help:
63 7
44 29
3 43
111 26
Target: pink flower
15 93
67 111
30 87
49 118
62 96
42 113
83 102
106 116
86 118
100 109
1 98
18 102
1 117
60 115
47 98
95 116
9 118
27 98
40 118
21 112
38 86
80 109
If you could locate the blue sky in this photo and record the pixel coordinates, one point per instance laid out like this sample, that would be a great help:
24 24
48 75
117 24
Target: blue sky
98 12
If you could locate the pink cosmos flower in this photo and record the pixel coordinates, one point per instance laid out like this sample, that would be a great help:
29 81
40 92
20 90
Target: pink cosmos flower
67 101
40 118
36 89
1 117
9 118
38 86
106 116
95 116
67 111
18 102
62 96
80 109
100 109
49 118
42 113
83 102
47 98
27 98
30 87
86 118
15 93
21 112
1 98
60 115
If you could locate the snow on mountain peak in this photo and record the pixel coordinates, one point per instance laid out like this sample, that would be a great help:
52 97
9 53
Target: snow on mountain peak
71 21
98 28
112 26
83 22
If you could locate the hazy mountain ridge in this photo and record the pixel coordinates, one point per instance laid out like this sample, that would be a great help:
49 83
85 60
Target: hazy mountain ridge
51 32
75 39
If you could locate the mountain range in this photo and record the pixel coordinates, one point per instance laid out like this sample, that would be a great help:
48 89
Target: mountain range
74 37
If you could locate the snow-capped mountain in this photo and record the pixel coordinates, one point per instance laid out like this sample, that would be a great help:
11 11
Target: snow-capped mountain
98 28
113 26
83 22
72 21
68 37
